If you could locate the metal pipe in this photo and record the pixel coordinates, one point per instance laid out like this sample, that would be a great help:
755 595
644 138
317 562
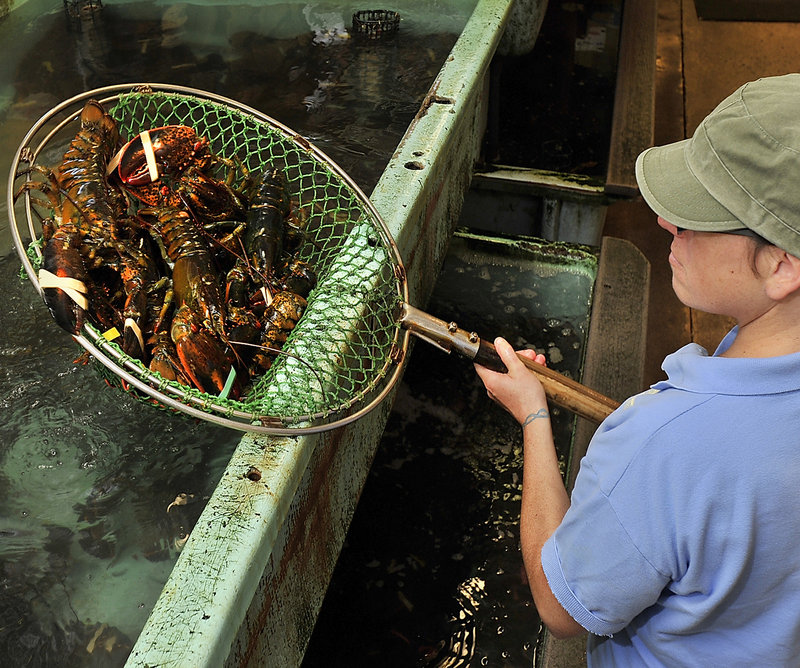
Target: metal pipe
561 390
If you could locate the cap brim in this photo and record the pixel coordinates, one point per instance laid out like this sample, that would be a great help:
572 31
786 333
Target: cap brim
671 190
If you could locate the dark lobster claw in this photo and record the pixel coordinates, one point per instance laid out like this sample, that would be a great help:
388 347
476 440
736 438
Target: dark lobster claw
174 148
269 205
64 281
280 318
299 278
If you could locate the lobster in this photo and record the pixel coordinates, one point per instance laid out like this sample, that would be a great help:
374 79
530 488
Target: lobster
198 327
83 236
280 289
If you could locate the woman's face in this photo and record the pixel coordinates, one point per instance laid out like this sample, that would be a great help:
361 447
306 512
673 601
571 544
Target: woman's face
712 272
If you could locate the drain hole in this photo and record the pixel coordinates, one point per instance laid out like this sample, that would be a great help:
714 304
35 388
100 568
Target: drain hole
253 474
414 164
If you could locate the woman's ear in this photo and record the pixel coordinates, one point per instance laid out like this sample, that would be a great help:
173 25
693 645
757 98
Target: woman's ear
784 274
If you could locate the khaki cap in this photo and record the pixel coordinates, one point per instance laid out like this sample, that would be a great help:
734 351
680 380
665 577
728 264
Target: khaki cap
741 168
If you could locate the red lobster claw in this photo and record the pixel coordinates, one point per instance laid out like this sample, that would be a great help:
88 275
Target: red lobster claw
202 354
166 150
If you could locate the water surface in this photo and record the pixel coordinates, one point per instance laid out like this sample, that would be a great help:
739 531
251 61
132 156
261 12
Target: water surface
431 573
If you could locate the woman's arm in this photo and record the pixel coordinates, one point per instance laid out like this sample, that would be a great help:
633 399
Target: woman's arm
544 497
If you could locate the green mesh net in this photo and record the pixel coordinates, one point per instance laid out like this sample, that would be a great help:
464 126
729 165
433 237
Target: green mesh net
342 357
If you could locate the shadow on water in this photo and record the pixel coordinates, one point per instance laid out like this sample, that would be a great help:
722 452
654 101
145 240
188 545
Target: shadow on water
97 490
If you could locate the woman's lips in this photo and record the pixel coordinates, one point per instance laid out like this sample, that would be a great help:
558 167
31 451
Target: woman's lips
674 260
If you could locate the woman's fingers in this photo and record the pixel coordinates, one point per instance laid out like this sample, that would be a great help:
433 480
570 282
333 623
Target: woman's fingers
507 353
533 355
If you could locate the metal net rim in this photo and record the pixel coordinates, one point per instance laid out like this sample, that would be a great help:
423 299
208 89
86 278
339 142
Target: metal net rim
172 395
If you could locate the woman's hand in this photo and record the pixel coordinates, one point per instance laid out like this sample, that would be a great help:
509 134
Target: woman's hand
518 391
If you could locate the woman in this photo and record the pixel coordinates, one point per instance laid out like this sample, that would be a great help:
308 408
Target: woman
680 545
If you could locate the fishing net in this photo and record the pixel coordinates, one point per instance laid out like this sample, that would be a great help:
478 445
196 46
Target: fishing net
344 355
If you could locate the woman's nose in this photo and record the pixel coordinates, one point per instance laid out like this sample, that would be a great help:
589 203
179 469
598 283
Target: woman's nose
669 227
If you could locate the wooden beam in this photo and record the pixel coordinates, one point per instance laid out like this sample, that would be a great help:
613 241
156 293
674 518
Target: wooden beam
634 98
748 10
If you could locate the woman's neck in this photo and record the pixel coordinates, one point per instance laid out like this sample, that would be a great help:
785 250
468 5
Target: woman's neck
774 333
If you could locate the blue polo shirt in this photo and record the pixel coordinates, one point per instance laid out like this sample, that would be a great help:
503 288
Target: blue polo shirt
682 543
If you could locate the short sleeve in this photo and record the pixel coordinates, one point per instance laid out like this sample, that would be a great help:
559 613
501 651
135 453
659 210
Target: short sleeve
594 568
